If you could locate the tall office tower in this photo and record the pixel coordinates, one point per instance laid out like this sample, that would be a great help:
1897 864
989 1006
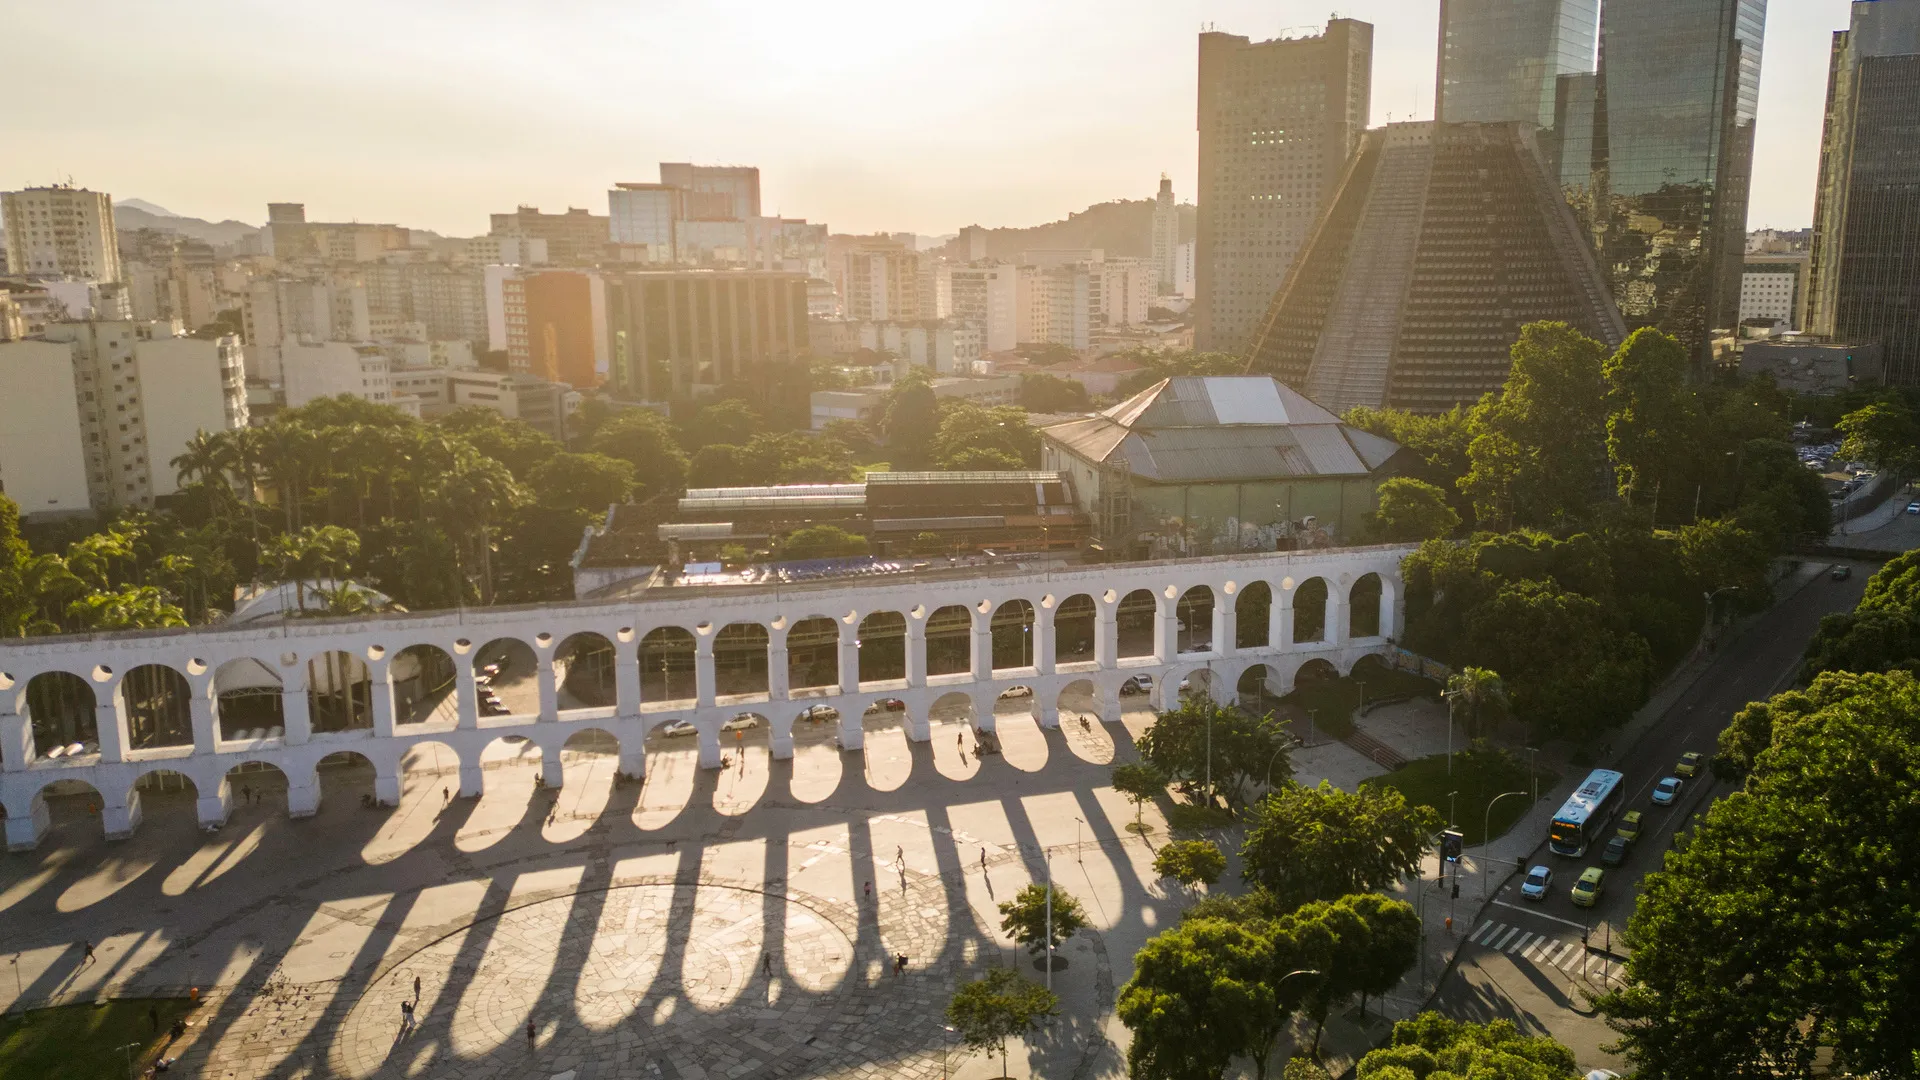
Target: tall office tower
575 238
1277 121
675 331
1166 237
643 218
1866 247
1679 83
715 192
61 231
1445 239
1526 60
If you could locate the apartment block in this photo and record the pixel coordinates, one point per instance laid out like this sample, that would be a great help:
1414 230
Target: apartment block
43 463
575 238
556 325
673 332
985 296
61 231
311 370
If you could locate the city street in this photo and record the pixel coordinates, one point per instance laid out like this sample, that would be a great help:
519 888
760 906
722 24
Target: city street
1524 960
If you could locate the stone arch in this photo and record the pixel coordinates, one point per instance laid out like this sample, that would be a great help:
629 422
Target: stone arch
1075 625
1363 607
161 780
1257 688
667 664
1317 670
422 685
950 641
883 647
1133 623
63 710
740 653
74 798
813 654
249 700
158 705
257 782
583 671
591 742
1193 615
505 754
1252 613
1310 602
344 776
1011 626
672 746
339 692
431 760
507 670
1191 683
1082 710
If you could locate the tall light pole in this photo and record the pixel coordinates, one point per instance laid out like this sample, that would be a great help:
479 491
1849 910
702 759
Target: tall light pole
1077 822
1533 777
1049 861
1486 837
1450 695
128 1050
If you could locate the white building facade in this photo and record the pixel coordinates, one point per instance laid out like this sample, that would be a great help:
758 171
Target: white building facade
61 231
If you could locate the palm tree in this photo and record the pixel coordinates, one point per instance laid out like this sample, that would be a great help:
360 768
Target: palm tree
313 553
208 456
1477 687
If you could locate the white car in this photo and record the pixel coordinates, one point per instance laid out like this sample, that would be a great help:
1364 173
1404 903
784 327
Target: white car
1666 791
676 729
1913 508
745 721
820 712
1017 691
1537 882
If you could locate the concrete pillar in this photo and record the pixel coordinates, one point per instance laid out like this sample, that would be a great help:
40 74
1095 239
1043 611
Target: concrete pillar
626 682
549 680
1047 713
110 728
1166 628
1043 642
303 795
296 711
200 712
633 753
1226 627
386 783
213 806
849 656
1110 711
780 738
709 736
380 676
466 694
916 651
779 686
1280 621
472 780
982 645
919 728
704 681
121 814
983 714
25 831
1389 608
16 736
1106 634
1338 625
853 733
552 773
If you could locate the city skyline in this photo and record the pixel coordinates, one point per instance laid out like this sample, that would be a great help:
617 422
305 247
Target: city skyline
1004 132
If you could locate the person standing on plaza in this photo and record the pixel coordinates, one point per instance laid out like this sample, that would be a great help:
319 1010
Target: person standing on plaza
416 988
531 1032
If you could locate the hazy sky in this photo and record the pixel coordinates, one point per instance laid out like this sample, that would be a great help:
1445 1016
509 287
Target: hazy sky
865 114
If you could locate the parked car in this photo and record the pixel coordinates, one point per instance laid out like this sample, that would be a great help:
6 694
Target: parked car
1689 764
1667 790
819 713
893 704
1913 508
1629 829
1615 852
676 729
1139 684
1537 882
1586 891
1017 691
745 721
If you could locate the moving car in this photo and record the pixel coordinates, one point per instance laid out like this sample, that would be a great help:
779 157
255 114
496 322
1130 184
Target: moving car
1689 764
745 721
1667 790
1537 882
818 713
1840 573
675 729
1586 891
1615 852
1913 508
1629 829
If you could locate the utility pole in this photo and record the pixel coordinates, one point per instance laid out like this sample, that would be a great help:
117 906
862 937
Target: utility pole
1049 860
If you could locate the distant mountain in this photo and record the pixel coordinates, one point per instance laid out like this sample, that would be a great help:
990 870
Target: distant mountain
1123 229
142 204
135 214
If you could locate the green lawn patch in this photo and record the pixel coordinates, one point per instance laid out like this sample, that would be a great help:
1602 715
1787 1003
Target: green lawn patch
83 1042
1478 776
1334 701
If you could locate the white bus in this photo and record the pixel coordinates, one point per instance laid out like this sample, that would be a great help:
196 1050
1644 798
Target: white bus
1587 813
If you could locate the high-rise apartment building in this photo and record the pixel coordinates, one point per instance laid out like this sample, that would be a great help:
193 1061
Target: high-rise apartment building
880 281
450 300
575 238
643 219
294 237
1679 84
672 331
1444 241
61 231
1166 237
984 296
556 326
1866 247
1277 120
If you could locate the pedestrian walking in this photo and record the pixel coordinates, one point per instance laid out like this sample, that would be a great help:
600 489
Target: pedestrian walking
86 948
446 796
153 1017
246 793
960 740
531 1031
766 964
416 988
983 860
406 1017
899 853
869 895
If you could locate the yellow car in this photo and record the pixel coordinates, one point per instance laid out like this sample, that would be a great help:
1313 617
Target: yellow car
1587 890
1629 829
1689 764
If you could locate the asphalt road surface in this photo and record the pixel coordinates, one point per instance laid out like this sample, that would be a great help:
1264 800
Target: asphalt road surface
1526 961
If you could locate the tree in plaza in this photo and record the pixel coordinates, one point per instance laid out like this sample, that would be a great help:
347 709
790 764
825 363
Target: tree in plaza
1192 863
1883 433
1411 510
1044 393
1651 418
1432 1047
1024 918
1243 748
996 1007
644 439
1569 669
1140 782
1475 691
1322 843
1392 943
589 482
1202 994
1779 939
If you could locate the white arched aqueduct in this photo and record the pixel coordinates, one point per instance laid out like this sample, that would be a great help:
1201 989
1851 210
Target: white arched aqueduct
105 710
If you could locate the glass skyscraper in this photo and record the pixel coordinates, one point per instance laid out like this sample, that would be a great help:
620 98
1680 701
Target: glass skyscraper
1502 60
1678 87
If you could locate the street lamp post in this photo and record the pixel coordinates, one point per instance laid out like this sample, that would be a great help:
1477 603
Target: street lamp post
1486 838
946 1050
128 1051
1077 822
1049 862
1450 695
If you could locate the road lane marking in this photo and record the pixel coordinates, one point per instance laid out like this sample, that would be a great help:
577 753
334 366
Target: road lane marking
1510 936
1543 915
1489 925
1519 944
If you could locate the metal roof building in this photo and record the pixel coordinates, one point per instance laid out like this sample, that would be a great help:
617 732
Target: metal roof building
1199 465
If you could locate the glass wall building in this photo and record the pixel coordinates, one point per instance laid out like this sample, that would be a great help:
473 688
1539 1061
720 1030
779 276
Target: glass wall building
1866 246
1501 60
1678 88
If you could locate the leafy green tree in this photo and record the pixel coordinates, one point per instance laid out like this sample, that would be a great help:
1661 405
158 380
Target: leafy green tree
311 555
731 422
1440 440
822 541
910 417
1141 782
1192 863
1322 843
1651 419
1883 433
1202 994
1720 554
1024 918
131 607
970 433
1244 749
719 465
1392 944
1432 1047
514 443
1412 509
1044 393
1778 940
996 1007
589 482
1539 449
1569 671
642 438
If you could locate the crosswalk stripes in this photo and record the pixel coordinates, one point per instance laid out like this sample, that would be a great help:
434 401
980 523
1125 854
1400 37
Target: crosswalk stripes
1546 950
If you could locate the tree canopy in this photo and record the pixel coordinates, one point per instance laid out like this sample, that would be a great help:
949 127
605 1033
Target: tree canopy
1321 843
1245 749
1432 1047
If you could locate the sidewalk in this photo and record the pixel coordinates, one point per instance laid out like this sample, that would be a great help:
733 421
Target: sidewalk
1859 521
